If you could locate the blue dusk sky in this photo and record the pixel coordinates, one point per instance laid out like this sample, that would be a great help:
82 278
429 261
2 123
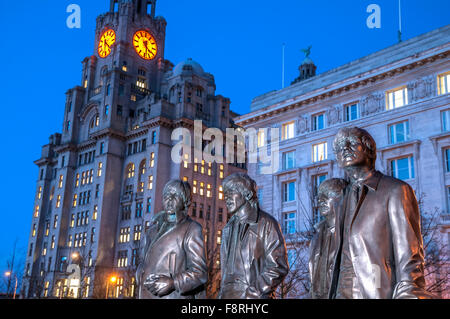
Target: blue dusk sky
238 41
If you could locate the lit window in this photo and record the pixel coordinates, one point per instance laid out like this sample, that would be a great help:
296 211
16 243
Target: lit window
185 179
140 82
221 171
61 179
403 168
122 260
69 242
396 98
33 233
94 215
99 170
150 182
209 169
261 138
319 152
399 132
72 220
58 201
83 178
444 83
186 158
55 222
351 112
318 122
287 131
288 191
289 160
289 223
36 211
445 115
39 192
202 170
52 192
219 237
201 188
133 97
52 245
124 236
152 159
137 232
74 202
194 188
130 170
208 190
221 192
77 180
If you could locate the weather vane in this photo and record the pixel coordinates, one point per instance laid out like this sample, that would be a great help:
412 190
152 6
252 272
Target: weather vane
307 51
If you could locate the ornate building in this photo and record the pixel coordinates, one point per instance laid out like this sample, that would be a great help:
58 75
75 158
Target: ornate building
100 181
400 95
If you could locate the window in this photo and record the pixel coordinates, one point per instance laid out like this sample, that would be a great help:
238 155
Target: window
288 191
444 83
33 233
221 192
150 182
139 209
149 205
445 115
260 195
122 259
396 98
58 201
403 168
140 83
399 132
221 171
287 131
137 232
208 190
102 147
99 170
106 109
448 199
130 170
220 215
94 214
288 160
152 159
61 179
318 122
319 152
74 202
351 112
289 223
153 137
447 160
39 193
124 236
55 222
261 138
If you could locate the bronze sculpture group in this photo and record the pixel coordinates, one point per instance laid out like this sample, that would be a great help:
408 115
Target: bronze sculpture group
369 244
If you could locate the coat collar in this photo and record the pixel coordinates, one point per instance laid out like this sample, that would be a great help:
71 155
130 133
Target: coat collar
249 217
373 180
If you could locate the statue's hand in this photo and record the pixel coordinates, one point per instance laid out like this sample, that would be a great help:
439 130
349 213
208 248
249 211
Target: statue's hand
159 285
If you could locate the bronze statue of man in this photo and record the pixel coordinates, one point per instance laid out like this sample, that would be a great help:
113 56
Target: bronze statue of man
173 264
253 251
323 245
380 247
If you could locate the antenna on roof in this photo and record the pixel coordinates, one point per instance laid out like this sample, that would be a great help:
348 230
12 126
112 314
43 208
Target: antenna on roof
282 65
399 21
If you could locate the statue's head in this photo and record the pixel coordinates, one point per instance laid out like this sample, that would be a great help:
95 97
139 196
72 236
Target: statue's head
329 193
354 146
239 189
176 197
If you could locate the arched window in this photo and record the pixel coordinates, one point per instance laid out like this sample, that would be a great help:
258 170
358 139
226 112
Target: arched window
95 121
130 170
142 167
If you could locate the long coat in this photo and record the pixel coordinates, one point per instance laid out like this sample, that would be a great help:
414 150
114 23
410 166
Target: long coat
263 253
178 253
385 240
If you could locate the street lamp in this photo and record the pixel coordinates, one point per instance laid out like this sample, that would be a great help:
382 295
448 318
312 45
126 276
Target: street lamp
111 279
8 274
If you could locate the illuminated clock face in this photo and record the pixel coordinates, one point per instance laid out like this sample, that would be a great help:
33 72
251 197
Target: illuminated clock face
107 39
145 45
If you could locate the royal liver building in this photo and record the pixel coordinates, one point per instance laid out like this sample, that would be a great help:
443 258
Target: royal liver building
100 180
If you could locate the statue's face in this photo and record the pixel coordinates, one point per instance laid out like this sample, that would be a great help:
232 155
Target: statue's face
325 203
172 201
234 200
351 152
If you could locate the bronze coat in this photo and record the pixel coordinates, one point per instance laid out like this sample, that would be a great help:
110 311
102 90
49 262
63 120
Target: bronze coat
385 240
178 253
263 252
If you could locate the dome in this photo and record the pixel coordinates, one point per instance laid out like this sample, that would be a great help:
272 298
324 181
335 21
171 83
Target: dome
307 60
188 66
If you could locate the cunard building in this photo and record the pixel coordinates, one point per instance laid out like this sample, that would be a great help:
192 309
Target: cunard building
400 95
100 180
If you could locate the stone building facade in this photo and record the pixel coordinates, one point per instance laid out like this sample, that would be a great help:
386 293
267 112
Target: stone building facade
399 94
100 181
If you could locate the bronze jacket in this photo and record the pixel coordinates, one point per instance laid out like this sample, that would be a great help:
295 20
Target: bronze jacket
177 252
263 255
321 260
385 240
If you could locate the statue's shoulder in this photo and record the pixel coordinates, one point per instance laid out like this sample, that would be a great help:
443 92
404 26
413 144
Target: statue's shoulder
267 218
192 224
157 218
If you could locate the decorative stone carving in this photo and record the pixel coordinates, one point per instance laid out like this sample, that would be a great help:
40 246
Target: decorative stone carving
302 124
372 103
421 88
334 115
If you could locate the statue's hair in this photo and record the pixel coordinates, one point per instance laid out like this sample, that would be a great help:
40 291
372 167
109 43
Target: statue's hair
364 137
243 184
333 187
185 190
